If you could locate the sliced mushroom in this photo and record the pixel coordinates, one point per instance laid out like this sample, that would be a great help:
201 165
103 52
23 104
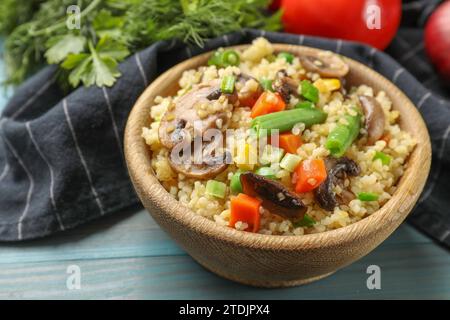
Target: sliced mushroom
179 121
285 85
275 196
375 119
248 97
326 64
205 170
213 161
337 171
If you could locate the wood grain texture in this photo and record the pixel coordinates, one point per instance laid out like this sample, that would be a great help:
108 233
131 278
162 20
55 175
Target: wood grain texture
265 260
128 256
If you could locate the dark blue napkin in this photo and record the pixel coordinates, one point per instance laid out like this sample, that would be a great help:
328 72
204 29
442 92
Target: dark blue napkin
61 157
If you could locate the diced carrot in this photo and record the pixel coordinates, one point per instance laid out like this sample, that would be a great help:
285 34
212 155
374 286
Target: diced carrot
246 209
309 175
268 102
290 142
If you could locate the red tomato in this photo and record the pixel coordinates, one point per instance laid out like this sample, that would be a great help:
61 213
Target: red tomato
374 22
437 39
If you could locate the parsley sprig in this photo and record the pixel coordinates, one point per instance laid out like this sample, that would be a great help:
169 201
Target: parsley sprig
111 30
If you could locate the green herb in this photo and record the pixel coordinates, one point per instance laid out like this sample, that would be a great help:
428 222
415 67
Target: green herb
271 154
307 221
385 159
222 59
227 85
266 172
286 56
110 30
267 84
367 196
290 162
216 189
309 91
235 183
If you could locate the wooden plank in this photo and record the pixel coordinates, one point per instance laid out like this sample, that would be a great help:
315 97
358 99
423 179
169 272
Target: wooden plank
127 234
407 271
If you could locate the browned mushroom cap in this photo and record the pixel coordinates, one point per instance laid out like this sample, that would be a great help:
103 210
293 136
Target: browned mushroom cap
213 161
205 170
247 98
326 64
285 85
337 170
275 196
375 119
179 121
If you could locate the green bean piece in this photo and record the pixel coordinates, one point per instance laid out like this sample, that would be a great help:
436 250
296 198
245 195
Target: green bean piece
227 85
286 120
337 140
341 137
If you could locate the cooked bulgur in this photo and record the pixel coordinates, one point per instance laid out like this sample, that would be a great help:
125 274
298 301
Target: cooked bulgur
259 63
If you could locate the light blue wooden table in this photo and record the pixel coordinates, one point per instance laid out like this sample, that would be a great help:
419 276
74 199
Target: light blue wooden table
128 256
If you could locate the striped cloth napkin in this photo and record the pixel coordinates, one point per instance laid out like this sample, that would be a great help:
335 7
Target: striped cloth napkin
61 157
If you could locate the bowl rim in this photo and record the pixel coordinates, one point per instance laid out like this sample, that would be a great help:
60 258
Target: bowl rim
393 211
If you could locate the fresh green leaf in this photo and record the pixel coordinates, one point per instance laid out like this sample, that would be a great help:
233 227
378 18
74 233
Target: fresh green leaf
61 46
105 24
37 32
107 47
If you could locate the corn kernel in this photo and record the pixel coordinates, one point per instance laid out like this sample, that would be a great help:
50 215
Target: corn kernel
327 85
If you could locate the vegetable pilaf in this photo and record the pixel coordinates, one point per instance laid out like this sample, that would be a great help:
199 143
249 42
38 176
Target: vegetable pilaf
299 152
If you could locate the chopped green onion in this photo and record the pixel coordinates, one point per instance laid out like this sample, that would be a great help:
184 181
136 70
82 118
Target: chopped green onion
267 84
290 162
235 183
367 196
341 137
227 85
287 56
385 159
271 154
216 188
307 221
308 91
286 120
231 58
266 172
223 59
305 105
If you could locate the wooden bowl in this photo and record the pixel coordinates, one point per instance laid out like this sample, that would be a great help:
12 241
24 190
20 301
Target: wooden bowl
273 260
